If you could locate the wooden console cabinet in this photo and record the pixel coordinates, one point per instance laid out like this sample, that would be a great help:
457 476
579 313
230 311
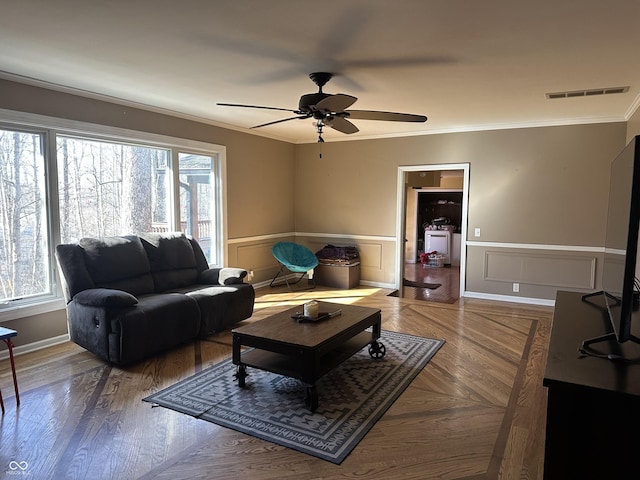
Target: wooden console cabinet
593 408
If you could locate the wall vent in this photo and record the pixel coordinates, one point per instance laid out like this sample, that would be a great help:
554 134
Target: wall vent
587 93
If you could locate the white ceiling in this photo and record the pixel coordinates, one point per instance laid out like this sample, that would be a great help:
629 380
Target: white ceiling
466 64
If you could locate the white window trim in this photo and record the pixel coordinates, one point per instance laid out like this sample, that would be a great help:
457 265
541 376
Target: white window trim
54 126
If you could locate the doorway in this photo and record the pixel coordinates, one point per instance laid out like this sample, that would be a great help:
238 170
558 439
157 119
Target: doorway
406 265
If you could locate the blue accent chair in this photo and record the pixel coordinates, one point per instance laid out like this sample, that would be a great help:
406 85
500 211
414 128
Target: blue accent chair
293 258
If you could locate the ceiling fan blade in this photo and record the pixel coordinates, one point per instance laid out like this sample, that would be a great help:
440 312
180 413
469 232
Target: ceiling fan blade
336 103
341 124
386 116
399 61
280 121
255 106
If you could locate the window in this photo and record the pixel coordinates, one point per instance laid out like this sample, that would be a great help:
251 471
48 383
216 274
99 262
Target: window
108 189
57 186
198 200
25 262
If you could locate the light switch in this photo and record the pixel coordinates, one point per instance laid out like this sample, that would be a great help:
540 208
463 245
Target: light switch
477 232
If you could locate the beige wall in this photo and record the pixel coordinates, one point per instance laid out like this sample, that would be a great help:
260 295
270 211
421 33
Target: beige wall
538 186
545 186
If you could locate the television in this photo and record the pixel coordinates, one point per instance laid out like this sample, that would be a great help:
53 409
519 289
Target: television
619 284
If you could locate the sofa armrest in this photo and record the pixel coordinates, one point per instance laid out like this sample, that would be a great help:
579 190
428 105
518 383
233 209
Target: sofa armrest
105 297
230 276
222 276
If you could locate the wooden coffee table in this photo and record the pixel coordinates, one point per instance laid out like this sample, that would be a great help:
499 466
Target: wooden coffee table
306 350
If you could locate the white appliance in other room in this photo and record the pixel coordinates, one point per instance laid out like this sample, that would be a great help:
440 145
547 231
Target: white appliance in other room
439 241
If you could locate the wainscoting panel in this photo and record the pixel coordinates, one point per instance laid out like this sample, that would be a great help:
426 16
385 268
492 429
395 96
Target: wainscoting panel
371 260
377 254
541 268
256 255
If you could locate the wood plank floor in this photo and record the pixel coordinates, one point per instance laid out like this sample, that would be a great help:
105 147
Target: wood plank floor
477 410
448 277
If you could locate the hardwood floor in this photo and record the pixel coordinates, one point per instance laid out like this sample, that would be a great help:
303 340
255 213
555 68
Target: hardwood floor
448 277
477 410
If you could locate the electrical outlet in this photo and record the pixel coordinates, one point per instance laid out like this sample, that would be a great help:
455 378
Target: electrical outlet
477 232
516 287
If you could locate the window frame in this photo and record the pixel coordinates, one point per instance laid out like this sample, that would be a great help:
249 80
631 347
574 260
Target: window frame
51 127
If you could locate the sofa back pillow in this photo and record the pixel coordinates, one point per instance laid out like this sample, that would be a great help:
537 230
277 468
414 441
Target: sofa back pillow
171 258
119 263
201 261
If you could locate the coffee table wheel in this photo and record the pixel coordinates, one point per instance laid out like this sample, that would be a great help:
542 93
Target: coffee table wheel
311 398
241 374
377 349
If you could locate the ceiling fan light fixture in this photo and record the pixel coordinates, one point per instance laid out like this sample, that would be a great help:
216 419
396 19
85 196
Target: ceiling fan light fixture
319 126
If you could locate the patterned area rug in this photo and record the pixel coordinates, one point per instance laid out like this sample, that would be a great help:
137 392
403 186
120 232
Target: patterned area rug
352 398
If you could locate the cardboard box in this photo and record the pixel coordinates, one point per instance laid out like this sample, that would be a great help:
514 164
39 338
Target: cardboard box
338 276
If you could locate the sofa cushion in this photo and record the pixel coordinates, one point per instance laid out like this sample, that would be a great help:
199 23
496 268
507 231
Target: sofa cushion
171 258
222 306
167 251
156 323
118 262
201 260
210 276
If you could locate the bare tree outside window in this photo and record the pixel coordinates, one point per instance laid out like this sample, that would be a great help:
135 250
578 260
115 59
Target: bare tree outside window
109 188
24 260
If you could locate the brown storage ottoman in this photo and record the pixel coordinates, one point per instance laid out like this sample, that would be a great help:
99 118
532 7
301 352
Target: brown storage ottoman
339 276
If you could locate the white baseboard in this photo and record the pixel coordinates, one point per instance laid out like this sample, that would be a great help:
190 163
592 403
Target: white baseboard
32 347
362 282
377 284
266 283
261 284
510 298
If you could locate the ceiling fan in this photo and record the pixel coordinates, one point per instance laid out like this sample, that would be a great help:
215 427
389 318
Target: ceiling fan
330 110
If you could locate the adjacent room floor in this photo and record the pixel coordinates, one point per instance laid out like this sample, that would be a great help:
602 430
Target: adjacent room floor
448 277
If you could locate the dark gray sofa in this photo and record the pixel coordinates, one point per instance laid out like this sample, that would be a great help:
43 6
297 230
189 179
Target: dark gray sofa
131 297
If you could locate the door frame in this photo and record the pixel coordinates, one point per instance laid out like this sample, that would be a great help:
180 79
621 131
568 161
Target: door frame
401 210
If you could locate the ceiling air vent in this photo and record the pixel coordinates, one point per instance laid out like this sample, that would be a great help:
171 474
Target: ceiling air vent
587 93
